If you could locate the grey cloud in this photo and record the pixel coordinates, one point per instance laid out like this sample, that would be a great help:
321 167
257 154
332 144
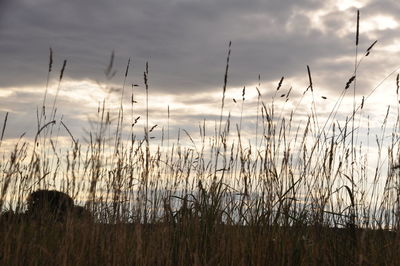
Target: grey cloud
185 41
387 7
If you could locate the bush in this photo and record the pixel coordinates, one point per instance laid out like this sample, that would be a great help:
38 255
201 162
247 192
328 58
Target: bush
49 204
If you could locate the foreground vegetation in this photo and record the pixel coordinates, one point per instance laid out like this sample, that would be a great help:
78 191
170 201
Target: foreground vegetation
193 242
300 192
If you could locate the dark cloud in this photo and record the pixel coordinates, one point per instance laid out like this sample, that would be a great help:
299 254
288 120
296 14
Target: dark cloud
4 5
185 41
387 7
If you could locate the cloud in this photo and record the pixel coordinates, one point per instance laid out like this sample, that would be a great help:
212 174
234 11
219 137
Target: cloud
186 45
185 41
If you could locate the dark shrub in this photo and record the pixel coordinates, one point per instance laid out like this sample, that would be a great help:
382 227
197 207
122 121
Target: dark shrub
49 204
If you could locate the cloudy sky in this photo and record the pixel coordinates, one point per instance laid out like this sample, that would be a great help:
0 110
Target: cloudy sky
186 44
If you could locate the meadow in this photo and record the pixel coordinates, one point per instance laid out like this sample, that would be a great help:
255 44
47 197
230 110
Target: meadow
297 193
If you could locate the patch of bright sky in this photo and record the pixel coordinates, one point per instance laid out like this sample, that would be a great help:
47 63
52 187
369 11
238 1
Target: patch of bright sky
346 4
316 19
316 16
374 23
378 22
369 24
85 91
76 91
5 93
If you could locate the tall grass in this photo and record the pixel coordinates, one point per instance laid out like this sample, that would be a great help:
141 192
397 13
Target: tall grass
301 193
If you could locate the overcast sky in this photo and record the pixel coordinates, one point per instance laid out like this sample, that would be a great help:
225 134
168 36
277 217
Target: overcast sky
186 43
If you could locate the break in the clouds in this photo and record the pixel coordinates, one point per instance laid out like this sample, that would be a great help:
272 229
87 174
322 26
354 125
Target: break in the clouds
185 43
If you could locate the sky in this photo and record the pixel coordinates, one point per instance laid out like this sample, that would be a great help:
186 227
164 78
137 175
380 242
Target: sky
185 43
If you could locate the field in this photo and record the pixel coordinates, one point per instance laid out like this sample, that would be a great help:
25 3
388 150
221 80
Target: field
299 191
